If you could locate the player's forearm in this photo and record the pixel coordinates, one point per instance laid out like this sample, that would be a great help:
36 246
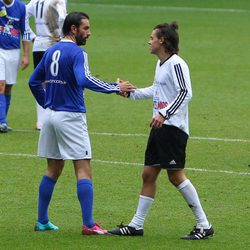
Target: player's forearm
179 102
95 84
25 58
142 93
26 48
37 90
98 85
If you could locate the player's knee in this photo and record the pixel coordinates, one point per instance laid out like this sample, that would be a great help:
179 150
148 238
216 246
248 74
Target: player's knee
176 180
2 87
173 180
8 89
54 174
147 177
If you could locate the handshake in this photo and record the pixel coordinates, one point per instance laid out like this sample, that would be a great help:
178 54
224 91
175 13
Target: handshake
125 87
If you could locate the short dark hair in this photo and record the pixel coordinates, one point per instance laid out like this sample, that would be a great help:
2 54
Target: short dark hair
170 35
73 18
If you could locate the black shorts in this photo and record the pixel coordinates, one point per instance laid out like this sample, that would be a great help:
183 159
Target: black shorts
166 148
37 57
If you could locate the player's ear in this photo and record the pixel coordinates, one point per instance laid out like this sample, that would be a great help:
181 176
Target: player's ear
161 40
73 29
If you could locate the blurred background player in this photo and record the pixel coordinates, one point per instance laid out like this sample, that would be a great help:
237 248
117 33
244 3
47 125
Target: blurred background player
64 134
49 16
13 29
166 148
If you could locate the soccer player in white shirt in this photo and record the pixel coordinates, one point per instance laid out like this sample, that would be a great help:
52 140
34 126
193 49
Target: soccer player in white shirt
49 16
166 148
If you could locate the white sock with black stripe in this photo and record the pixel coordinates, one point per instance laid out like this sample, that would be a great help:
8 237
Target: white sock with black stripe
189 193
144 205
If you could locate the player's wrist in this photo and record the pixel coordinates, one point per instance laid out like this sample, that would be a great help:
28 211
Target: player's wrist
164 114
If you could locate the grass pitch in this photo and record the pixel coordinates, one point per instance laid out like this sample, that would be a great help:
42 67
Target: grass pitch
214 41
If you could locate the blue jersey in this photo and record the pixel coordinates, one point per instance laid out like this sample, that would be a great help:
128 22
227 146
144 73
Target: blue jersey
65 71
13 25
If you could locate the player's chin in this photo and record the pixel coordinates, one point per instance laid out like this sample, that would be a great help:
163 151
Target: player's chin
80 43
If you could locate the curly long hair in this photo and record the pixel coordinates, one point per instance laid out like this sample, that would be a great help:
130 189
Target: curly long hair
170 36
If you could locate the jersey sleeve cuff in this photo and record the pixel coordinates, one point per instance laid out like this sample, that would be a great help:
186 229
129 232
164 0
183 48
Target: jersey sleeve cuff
164 114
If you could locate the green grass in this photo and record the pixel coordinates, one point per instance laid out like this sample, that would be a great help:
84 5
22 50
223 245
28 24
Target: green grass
214 41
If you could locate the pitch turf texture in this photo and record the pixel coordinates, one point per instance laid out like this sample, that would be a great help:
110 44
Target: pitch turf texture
214 40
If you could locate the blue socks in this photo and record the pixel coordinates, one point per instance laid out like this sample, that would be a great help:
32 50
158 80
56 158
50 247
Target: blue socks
45 192
2 108
85 196
7 101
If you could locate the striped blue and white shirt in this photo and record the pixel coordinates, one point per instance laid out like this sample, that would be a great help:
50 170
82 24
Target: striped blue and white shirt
171 92
13 25
65 71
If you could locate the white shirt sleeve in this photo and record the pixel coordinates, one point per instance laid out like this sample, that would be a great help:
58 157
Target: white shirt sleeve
143 93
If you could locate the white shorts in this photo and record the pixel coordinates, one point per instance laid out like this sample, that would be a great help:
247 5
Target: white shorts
9 64
64 135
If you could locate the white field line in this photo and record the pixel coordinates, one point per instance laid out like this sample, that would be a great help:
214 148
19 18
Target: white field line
191 137
163 8
133 164
146 135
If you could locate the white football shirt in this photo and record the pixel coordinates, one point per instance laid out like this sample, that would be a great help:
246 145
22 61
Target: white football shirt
171 92
39 10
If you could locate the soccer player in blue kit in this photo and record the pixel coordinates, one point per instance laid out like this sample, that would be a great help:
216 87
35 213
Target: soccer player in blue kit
64 135
13 29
